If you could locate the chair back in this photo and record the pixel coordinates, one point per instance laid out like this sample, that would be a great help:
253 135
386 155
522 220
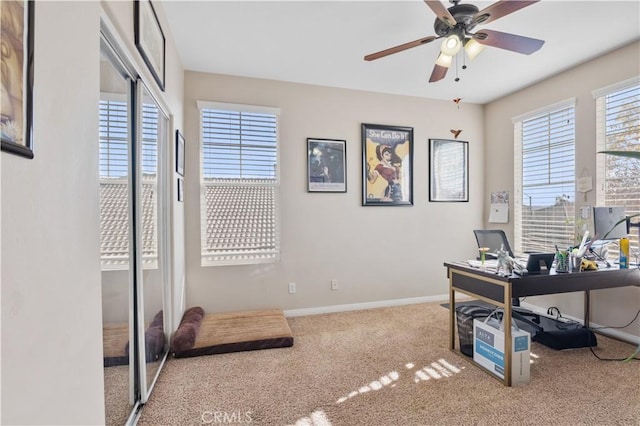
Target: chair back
492 238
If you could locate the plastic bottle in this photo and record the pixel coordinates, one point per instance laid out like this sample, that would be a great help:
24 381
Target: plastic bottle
624 253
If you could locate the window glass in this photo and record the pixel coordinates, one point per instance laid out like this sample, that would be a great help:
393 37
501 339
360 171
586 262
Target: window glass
618 177
239 185
545 181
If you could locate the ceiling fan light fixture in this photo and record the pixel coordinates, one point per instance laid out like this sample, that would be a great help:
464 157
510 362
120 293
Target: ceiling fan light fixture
473 48
451 45
444 60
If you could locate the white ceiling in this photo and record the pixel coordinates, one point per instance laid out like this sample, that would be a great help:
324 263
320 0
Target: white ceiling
324 42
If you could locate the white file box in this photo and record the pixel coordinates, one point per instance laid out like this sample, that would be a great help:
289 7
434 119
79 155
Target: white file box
488 350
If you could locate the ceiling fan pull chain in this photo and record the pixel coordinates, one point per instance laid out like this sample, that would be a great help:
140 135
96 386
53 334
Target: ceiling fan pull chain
457 59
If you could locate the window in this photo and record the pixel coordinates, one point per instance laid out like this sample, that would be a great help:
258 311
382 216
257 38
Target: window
114 183
618 129
239 184
544 170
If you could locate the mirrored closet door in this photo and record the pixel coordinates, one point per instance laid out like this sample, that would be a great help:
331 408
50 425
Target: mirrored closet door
133 143
116 238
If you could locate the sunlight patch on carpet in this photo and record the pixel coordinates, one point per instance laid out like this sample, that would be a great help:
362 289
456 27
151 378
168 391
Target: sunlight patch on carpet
532 357
386 380
436 370
317 418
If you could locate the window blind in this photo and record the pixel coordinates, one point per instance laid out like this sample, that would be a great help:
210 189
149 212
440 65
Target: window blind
114 131
545 180
114 183
618 129
239 185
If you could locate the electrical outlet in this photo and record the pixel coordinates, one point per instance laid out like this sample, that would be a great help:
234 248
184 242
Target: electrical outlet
334 284
292 288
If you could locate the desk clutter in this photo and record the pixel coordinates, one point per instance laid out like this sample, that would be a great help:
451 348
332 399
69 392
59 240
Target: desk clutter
538 263
496 256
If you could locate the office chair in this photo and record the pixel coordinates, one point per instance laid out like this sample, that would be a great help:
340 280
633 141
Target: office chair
494 239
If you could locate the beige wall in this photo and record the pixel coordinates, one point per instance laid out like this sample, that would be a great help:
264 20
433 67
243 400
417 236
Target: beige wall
375 253
51 312
610 307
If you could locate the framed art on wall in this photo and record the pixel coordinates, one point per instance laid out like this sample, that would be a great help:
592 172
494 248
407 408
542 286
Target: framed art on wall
448 170
150 40
326 165
16 107
179 153
180 190
387 165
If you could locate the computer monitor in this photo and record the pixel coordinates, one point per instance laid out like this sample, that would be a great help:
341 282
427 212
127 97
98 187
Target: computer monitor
610 223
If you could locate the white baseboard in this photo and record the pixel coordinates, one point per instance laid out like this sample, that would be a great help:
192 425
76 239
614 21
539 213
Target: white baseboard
368 305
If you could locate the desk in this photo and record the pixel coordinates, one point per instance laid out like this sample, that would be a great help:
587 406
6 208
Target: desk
498 290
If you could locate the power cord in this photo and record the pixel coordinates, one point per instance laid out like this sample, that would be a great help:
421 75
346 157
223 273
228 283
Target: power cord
620 326
563 324
631 357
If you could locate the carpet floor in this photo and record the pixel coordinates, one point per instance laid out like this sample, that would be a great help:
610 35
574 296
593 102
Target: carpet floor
391 366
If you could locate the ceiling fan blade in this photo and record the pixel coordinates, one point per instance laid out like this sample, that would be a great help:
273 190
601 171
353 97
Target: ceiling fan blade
499 9
399 48
507 41
441 12
438 73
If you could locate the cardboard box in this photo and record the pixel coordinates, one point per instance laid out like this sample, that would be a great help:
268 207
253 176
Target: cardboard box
488 350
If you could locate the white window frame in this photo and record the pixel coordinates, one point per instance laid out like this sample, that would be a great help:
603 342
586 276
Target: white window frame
521 241
232 256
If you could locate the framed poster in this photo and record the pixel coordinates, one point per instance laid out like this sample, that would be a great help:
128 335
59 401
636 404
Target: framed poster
150 39
16 105
448 170
179 153
326 165
387 165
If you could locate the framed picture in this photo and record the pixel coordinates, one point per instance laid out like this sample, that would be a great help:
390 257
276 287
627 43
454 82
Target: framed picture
180 189
16 108
387 165
150 39
326 165
448 170
179 153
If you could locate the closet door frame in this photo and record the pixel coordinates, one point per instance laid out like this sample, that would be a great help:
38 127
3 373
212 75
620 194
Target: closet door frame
146 386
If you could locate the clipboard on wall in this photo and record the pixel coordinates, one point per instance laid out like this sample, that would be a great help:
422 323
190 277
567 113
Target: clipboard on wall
499 207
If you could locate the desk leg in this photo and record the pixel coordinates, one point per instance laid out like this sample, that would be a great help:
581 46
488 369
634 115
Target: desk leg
587 306
508 358
452 314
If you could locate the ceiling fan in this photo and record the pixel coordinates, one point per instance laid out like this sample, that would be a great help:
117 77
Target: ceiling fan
456 24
